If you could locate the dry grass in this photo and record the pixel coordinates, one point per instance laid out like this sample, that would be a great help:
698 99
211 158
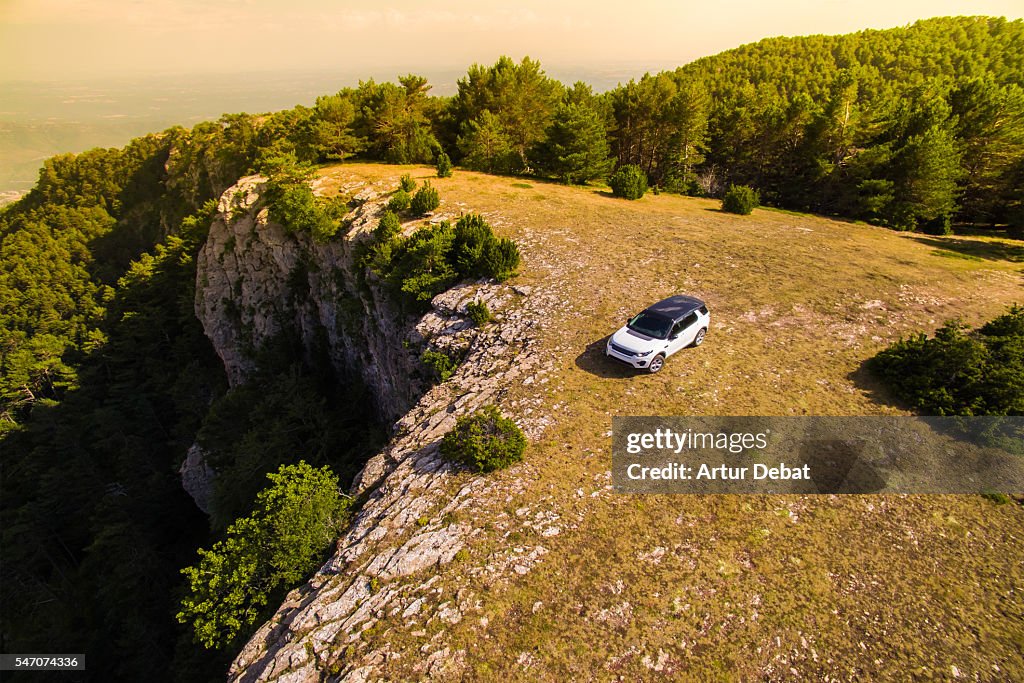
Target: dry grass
725 587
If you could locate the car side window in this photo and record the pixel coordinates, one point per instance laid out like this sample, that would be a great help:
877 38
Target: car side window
684 323
703 310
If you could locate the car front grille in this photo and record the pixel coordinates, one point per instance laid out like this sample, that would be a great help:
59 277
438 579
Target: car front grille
625 352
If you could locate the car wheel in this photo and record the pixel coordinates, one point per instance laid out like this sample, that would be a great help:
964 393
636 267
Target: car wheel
699 339
657 363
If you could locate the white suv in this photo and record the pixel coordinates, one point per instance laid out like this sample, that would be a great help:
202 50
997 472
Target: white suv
659 331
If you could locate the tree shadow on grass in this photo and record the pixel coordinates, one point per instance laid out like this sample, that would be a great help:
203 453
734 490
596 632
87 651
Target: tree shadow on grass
874 388
992 251
594 361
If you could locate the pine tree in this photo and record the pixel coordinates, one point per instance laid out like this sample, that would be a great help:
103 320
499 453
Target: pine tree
925 174
486 146
576 149
444 165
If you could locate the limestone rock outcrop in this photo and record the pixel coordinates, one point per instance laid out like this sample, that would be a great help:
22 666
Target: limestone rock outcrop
255 279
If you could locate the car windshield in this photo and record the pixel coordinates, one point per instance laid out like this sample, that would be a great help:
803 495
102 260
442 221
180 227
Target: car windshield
651 324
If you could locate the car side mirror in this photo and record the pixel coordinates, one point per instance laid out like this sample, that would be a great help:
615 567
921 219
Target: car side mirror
674 337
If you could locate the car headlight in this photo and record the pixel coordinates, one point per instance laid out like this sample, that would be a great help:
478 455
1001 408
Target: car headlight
645 353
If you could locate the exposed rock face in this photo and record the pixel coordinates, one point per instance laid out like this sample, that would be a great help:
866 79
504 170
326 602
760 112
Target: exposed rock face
248 273
255 279
197 477
401 537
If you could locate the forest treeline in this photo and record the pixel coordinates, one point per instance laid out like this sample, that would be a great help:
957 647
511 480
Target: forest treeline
106 377
916 127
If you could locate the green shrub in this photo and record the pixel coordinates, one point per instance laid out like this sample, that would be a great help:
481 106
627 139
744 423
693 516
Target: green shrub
406 183
740 199
419 266
436 256
501 258
484 441
444 166
472 235
629 182
479 313
440 363
388 227
296 208
959 371
399 202
425 200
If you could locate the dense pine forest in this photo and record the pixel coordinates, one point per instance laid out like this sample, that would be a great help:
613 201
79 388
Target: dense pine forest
106 377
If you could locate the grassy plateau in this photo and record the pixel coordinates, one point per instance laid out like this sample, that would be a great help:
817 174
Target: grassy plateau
602 586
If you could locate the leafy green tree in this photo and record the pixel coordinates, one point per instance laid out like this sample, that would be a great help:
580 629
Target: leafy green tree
925 174
477 252
688 114
441 365
471 238
299 210
479 313
286 537
400 201
290 197
576 149
395 120
989 127
501 258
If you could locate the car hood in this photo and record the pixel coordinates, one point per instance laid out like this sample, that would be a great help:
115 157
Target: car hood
636 342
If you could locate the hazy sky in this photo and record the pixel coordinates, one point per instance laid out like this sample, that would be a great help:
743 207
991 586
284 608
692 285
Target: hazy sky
77 39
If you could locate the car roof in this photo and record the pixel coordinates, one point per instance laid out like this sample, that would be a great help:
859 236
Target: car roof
676 307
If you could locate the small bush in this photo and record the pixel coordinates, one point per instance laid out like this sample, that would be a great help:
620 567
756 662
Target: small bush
501 258
406 183
477 252
472 235
441 364
996 497
388 227
740 199
399 201
628 182
444 166
435 257
296 208
425 200
484 441
479 313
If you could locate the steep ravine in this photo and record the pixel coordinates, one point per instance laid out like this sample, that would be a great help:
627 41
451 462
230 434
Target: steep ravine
256 279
